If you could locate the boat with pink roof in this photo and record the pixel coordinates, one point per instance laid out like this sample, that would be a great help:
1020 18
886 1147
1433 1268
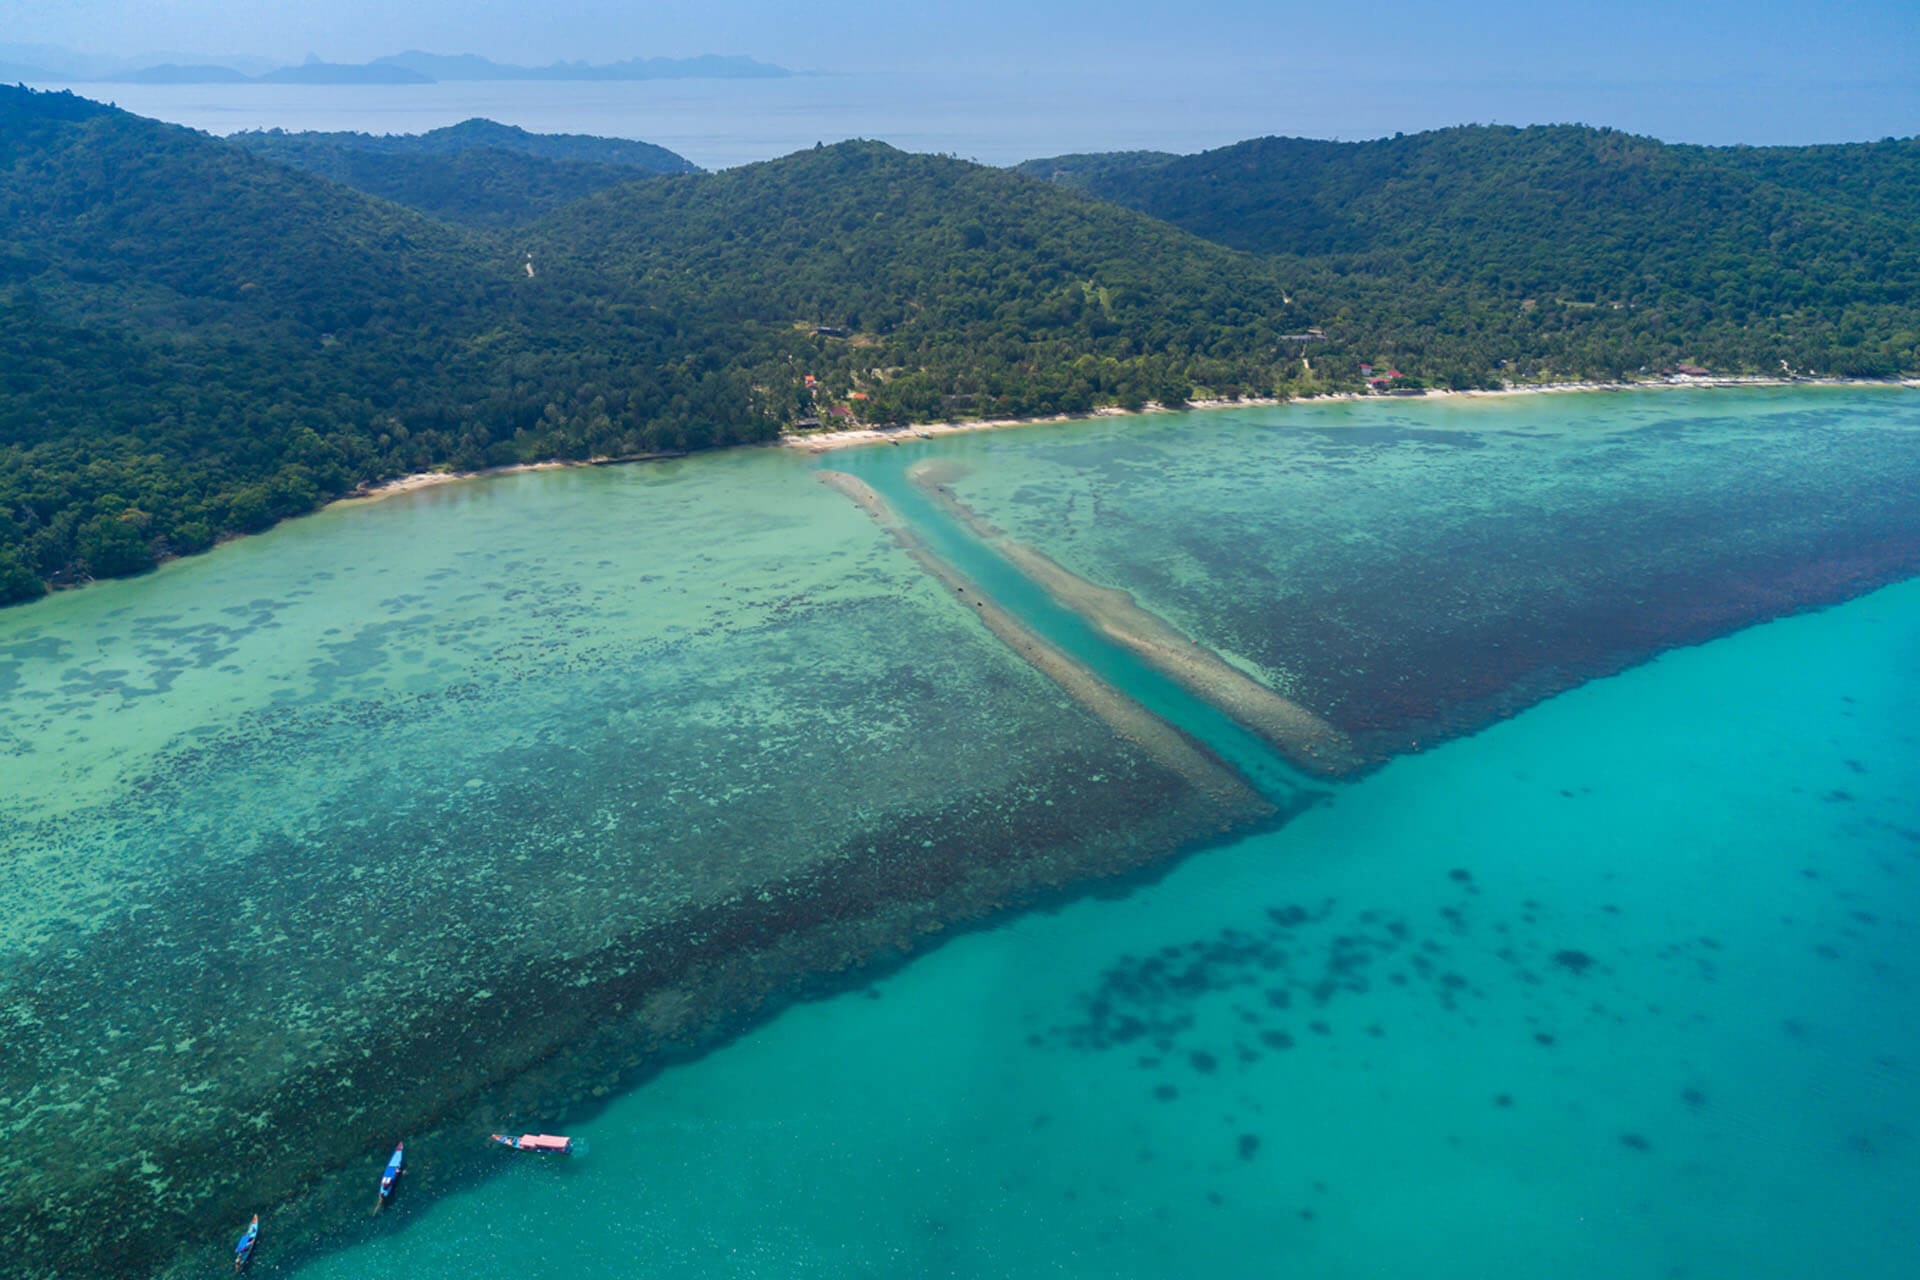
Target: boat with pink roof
541 1143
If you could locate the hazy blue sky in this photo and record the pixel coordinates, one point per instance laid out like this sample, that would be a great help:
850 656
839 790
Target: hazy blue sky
1183 74
1625 39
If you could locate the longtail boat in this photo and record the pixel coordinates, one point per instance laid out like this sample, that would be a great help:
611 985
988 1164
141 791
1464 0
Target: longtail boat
244 1250
543 1143
391 1174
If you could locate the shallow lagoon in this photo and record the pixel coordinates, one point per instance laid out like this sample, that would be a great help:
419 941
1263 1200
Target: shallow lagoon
1410 569
474 798
342 831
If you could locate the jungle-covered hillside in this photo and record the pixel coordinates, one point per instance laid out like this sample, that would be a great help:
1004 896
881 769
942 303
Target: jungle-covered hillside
199 336
477 173
197 340
1566 250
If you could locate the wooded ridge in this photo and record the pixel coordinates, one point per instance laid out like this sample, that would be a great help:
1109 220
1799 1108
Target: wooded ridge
199 337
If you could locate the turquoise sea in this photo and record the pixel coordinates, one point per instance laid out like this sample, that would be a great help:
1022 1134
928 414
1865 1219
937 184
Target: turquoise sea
1624 987
535 802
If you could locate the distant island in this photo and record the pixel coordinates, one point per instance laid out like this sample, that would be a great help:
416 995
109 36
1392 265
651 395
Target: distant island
314 71
411 67
469 67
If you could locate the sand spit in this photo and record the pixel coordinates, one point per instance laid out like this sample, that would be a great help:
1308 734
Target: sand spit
1303 737
864 497
1298 733
1161 741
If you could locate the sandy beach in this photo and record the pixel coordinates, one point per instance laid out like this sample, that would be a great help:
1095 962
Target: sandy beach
429 479
822 441
825 441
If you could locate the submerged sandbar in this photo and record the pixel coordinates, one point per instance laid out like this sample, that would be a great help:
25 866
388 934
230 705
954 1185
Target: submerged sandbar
1410 571
1303 737
1120 713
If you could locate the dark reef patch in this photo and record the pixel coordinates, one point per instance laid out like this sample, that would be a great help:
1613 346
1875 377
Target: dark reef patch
1187 996
1679 531
674 938
1573 961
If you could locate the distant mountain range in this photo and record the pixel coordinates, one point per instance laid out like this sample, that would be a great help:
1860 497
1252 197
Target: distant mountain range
467 66
312 71
58 62
48 63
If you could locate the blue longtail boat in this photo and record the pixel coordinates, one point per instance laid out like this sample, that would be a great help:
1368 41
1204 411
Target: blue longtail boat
244 1250
392 1172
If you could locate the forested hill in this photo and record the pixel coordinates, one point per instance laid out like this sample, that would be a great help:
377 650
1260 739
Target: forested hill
946 288
471 135
1564 242
482 187
477 173
110 217
195 340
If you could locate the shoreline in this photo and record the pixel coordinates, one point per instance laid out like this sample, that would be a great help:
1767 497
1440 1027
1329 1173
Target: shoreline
432 479
827 441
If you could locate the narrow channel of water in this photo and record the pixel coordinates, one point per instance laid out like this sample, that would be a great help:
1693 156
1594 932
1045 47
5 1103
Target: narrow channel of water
1260 764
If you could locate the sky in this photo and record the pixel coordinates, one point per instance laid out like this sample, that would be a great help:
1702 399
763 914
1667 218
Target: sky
1750 69
1626 39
